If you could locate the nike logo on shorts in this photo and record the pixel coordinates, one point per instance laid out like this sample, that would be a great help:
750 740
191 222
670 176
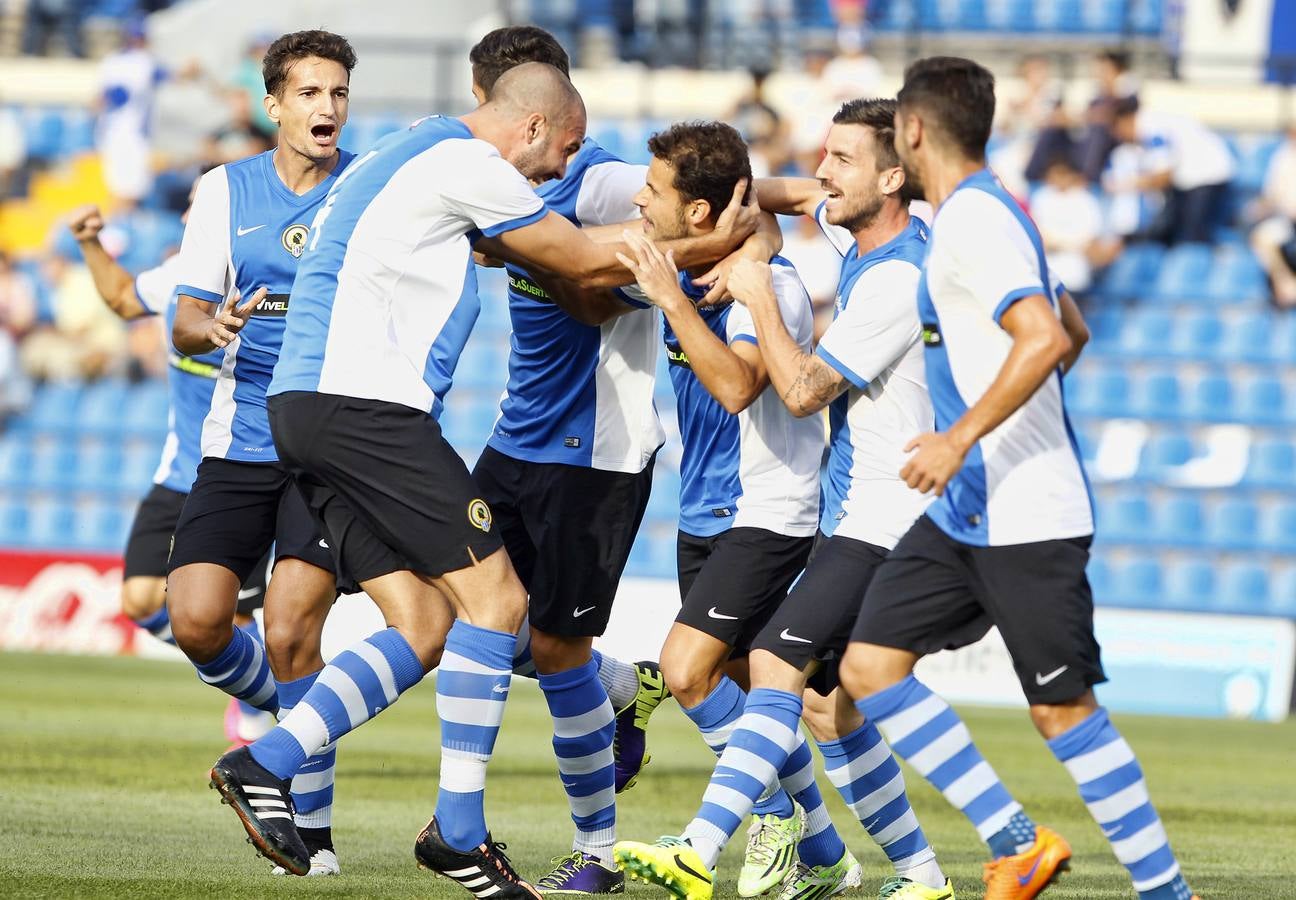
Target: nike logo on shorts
242 231
323 544
1042 680
578 612
715 615
248 593
789 636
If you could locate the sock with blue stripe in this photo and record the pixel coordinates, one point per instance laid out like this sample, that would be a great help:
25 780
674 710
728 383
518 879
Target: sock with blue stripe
867 776
312 786
523 664
1111 785
715 717
242 671
584 724
355 686
925 732
766 745
254 631
158 624
472 685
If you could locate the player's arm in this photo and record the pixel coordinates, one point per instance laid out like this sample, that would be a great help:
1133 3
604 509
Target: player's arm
115 285
1040 344
790 196
1073 324
733 374
589 306
807 383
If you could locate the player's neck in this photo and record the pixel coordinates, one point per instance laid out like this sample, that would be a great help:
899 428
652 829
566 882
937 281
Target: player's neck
944 175
893 219
299 173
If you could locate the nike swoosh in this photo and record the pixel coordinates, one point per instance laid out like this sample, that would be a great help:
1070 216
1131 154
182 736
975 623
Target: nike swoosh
249 593
788 636
499 689
323 544
578 612
715 615
1042 680
1023 880
1111 832
698 875
242 231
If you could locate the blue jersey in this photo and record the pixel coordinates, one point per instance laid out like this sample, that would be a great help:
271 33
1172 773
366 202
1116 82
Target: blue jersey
190 383
581 394
386 295
246 231
759 468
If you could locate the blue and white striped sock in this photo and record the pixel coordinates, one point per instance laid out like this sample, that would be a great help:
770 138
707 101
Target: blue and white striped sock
584 724
312 786
242 671
355 686
158 624
715 717
926 733
254 631
867 776
523 664
472 685
1111 785
764 747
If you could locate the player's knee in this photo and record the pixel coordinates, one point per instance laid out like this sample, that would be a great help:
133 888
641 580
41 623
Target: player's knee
558 653
1053 719
820 719
689 679
201 635
863 674
142 596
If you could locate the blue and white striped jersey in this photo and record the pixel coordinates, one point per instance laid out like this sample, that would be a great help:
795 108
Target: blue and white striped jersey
581 394
386 295
247 231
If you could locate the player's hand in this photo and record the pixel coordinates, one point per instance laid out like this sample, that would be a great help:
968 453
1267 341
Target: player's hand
86 222
231 317
654 271
751 282
938 459
739 218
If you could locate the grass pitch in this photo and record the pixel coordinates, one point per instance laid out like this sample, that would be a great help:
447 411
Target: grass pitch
103 794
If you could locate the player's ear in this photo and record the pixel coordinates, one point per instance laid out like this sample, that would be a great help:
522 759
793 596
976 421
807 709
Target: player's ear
535 127
271 104
891 180
698 211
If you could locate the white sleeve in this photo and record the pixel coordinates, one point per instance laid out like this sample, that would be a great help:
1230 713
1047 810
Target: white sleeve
877 325
155 287
839 237
739 325
479 185
993 255
203 268
607 193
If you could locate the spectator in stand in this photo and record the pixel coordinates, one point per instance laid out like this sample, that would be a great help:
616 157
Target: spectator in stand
1114 83
13 155
43 18
86 341
17 316
1070 221
1274 238
128 81
248 86
1034 110
817 262
762 128
1187 162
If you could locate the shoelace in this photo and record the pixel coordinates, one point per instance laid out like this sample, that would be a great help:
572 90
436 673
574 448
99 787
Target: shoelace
893 885
495 850
565 866
760 842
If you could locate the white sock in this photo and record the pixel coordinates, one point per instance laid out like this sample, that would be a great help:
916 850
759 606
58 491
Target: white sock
928 873
619 679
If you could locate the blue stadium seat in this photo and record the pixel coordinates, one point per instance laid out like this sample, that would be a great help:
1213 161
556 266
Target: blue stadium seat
1139 584
15 459
1212 400
1243 588
1272 464
1278 528
1129 276
1255 337
1101 579
146 409
1164 451
1282 595
1094 391
1145 333
1196 335
1182 274
1190 585
139 464
1127 519
1233 525
1253 152
1158 396
49 523
54 406
101 406
1235 277
1264 402
53 465
1180 521
13 523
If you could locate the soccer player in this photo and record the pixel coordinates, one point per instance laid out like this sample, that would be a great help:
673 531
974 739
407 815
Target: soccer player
869 366
381 309
1007 539
190 383
246 231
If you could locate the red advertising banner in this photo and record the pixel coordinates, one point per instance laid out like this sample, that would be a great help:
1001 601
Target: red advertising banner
63 603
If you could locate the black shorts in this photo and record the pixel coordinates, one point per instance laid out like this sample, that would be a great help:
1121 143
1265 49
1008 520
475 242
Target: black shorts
814 623
149 545
731 584
237 511
568 531
935 593
391 494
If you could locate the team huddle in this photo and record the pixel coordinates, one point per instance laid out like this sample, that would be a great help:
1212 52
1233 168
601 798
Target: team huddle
321 302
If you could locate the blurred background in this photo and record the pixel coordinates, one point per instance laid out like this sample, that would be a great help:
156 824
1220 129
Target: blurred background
1153 141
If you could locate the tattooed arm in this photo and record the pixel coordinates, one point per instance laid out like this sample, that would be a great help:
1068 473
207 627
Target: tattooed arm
805 382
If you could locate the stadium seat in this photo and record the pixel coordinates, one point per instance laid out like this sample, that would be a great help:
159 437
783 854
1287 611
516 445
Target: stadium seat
1162 452
1182 275
1100 576
101 407
1139 584
1264 402
1145 334
139 464
53 465
1157 396
49 523
1253 152
147 406
1097 391
1243 588
15 459
98 465
1190 585
1282 595
1127 519
1277 531
1234 277
1233 525
54 406
13 523
1212 400
1272 464
1196 335
1129 276
1179 521
1254 337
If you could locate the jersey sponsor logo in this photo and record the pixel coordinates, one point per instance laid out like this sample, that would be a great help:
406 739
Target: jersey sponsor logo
676 356
524 285
479 514
294 239
242 231
193 367
272 306
931 336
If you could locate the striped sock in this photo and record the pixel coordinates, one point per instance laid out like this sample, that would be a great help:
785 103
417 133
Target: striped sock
312 786
1111 785
926 733
242 671
158 624
583 728
715 717
355 686
765 746
867 776
618 678
523 664
472 685
254 631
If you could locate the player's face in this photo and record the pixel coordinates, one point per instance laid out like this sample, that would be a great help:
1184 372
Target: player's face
543 153
664 212
850 177
312 107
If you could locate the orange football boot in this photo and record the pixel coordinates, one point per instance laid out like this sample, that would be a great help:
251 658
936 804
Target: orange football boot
1023 876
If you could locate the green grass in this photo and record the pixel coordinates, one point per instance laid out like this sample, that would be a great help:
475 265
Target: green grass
103 794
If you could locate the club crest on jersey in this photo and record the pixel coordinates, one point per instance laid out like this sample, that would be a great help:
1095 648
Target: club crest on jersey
479 515
294 239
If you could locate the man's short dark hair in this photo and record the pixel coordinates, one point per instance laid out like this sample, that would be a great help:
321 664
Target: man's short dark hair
1118 59
708 158
298 45
958 97
879 115
512 45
